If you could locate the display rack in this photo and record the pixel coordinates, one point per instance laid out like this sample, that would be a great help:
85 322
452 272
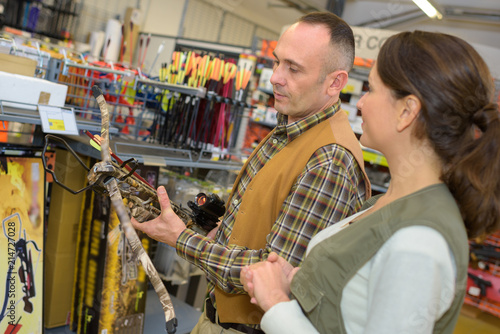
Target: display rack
9 46
484 275
11 111
135 104
55 19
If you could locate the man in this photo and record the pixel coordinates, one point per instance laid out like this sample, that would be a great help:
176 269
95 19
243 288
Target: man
306 175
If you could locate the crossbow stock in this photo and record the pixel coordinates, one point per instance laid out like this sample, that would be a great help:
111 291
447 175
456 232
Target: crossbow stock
119 181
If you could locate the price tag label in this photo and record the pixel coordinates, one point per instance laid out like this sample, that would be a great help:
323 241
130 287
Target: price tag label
57 120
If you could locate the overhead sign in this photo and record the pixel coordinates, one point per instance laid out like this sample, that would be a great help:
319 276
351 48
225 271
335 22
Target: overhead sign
368 41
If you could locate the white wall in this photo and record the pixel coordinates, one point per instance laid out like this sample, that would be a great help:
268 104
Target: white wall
95 14
163 17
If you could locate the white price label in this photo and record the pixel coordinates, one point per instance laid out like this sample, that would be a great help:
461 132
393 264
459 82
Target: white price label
57 120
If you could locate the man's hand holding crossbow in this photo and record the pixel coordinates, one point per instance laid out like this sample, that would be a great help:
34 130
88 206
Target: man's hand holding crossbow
167 226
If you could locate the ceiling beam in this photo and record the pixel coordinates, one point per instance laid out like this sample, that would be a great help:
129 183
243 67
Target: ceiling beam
336 7
303 6
470 13
394 19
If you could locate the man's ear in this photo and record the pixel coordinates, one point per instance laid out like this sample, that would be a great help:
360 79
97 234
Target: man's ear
409 109
338 80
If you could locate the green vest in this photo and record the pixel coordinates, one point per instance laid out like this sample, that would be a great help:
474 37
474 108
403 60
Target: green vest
329 266
266 193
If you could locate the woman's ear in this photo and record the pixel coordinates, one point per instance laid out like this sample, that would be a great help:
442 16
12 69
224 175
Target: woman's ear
337 80
410 107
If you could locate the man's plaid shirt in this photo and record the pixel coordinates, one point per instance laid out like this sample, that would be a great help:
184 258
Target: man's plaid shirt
330 188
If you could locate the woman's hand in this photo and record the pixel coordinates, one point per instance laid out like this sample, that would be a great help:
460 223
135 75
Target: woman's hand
268 282
287 268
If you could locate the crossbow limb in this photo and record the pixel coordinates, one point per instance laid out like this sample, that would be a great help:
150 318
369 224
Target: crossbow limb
119 181
123 216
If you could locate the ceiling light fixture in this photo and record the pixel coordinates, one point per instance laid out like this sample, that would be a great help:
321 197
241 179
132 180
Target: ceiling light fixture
428 9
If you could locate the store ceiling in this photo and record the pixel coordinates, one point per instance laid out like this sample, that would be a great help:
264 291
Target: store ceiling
476 21
487 11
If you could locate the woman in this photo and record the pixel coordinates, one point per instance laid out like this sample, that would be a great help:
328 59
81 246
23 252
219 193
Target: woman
400 264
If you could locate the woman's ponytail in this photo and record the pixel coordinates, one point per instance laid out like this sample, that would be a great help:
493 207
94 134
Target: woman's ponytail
473 175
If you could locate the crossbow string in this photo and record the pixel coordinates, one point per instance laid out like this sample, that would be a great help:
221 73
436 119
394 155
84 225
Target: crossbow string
123 215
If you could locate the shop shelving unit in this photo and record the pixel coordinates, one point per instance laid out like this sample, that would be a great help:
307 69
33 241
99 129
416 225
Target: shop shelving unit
134 103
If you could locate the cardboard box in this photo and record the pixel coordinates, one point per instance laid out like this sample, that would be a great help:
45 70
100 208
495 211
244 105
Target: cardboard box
17 65
64 217
30 91
133 16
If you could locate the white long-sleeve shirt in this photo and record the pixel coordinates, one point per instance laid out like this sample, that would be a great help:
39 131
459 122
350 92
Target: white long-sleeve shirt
404 288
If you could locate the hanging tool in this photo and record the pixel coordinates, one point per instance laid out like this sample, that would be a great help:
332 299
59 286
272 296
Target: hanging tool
241 84
160 49
142 55
131 37
122 44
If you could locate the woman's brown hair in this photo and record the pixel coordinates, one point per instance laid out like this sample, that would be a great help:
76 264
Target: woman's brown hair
458 116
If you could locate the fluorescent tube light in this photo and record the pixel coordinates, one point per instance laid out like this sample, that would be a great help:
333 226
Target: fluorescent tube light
428 9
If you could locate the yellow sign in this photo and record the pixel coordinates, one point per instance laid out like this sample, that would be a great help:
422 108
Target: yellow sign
56 124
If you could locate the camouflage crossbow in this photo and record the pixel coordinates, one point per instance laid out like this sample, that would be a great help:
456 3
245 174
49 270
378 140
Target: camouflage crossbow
119 180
